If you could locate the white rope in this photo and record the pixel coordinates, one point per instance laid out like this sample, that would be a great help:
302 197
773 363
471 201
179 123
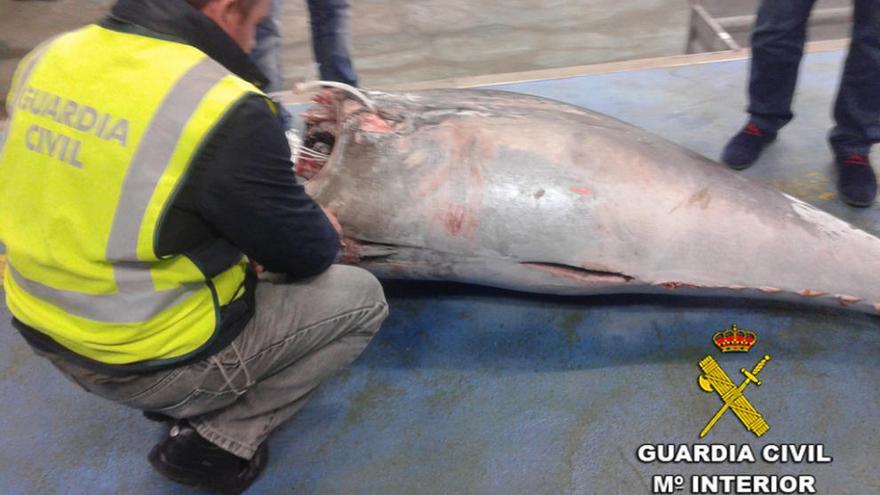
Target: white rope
279 96
309 85
313 154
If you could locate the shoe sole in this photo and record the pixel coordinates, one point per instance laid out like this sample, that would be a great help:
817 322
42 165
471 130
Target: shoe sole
170 471
157 417
166 469
859 204
739 167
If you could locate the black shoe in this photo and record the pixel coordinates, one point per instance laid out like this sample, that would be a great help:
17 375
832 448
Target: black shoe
855 179
157 417
744 149
187 458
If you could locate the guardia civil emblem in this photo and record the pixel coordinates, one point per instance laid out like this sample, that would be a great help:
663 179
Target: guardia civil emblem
714 379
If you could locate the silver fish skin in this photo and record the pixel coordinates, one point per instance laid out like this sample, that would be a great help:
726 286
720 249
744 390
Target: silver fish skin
525 193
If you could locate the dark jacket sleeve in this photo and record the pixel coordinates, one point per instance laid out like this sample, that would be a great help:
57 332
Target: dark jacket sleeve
242 184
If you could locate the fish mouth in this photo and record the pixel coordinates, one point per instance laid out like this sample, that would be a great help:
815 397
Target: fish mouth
332 112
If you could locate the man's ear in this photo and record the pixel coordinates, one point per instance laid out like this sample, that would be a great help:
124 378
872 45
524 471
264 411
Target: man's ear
220 10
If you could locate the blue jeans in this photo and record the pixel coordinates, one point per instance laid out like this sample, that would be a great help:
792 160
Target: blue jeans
267 52
777 46
330 43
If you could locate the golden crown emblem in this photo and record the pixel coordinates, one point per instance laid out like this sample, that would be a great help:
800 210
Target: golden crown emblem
734 340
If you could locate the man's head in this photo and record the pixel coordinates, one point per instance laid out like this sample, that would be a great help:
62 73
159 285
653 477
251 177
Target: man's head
238 18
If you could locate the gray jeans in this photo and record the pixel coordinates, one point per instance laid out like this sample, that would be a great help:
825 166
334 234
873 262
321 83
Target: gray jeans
303 332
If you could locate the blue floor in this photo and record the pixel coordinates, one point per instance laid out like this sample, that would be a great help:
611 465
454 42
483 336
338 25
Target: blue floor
469 390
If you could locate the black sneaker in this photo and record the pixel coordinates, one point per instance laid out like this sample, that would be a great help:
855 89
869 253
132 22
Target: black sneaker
187 458
855 179
744 149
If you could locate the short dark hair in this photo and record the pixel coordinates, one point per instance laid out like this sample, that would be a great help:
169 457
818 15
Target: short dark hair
246 5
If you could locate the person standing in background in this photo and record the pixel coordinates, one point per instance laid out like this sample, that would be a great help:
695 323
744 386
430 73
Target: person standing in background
331 43
777 47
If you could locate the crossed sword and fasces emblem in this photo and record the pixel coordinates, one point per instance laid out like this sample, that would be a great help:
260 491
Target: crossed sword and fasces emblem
715 379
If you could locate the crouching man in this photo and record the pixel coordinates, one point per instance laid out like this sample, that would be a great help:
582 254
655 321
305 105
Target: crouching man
146 178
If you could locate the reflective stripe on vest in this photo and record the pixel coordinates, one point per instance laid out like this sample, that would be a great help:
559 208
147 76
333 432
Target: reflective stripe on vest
103 292
23 73
136 299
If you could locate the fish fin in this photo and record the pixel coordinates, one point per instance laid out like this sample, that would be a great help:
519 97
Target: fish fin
579 273
376 251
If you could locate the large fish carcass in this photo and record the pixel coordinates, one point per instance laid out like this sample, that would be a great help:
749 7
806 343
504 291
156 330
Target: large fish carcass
525 193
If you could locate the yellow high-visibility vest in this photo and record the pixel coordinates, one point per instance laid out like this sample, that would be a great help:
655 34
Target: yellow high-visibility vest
103 127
